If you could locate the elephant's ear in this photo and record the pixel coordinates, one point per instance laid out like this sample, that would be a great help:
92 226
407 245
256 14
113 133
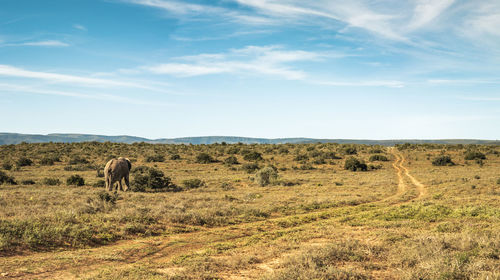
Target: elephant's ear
129 164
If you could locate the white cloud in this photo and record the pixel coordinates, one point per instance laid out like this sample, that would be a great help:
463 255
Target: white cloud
11 71
268 60
190 11
96 96
47 43
426 11
80 27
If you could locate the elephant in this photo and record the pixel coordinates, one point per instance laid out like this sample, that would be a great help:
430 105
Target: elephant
115 171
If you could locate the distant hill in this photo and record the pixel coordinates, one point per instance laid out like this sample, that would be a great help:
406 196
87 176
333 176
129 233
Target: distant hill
16 138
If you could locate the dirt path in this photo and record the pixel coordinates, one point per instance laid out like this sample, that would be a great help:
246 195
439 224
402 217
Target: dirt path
422 190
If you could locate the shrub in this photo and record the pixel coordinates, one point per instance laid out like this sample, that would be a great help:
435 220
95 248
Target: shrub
99 184
355 164
301 157
204 158
283 150
193 183
7 166
24 161
49 160
350 151
378 158
155 158
232 150
175 157
471 155
51 181
376 151
443 161
252 156
250 167
75 180
6 179
267 175
231 160
76 159
150 178
27 182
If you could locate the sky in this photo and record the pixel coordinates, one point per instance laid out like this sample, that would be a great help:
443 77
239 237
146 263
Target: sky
358 69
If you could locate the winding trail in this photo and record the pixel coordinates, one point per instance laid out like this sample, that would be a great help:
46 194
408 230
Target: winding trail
398 165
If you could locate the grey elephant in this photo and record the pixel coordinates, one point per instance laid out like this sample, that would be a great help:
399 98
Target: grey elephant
115 171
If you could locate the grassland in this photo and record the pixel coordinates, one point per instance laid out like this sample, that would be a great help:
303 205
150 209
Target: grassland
404 218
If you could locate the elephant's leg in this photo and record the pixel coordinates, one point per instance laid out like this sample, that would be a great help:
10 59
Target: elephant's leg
120 187
109 183
127 183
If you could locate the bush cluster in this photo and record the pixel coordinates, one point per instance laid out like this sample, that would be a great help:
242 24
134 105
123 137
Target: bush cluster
76 159
267 175
150 178
6 179
204 158
252 156
355 164
51 181
378 158
24 161
155 158
75 180
231 160
443 161
250 167
474 155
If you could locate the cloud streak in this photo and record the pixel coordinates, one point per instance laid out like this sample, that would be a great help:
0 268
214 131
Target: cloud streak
47 43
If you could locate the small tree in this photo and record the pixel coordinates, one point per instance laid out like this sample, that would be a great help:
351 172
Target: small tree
472 155
378 158
24 161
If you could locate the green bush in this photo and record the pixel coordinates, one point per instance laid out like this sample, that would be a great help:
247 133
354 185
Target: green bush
472 155
193 183
204 158
252 156
51 181
155 158
267 175
49 160
301 157
355 164
175 157
150 178
350 151
330 155
231 160
378 158
7 166
5 179
250 167
443 161
24 161
75 180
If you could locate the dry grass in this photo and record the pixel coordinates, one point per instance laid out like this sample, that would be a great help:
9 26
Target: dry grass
323 222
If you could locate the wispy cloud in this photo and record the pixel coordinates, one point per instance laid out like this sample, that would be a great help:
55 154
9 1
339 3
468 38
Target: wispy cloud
268 60
47 43
56 78
80 27
426 11
185 10
96 96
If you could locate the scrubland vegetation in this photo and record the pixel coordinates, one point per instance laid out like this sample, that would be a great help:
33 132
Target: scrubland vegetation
291 211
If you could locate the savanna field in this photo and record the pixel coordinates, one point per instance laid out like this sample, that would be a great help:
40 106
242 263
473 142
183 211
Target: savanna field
237 211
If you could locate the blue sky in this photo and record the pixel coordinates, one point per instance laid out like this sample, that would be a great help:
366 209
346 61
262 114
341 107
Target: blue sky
259 68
